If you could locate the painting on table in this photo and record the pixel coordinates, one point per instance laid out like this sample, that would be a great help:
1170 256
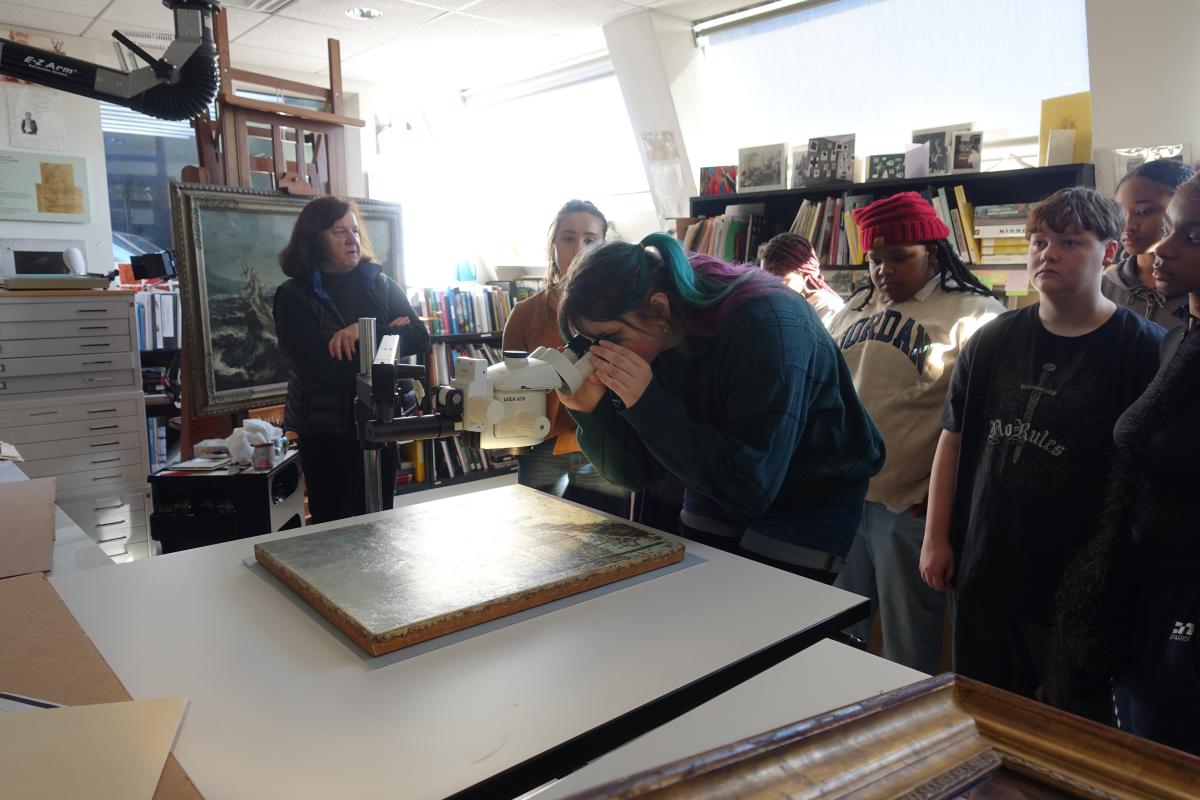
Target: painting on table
443 566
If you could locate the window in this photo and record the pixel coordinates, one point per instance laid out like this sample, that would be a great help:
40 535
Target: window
882 68
142 155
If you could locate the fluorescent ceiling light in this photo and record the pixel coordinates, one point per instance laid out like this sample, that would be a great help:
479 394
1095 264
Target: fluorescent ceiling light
743 15
364 14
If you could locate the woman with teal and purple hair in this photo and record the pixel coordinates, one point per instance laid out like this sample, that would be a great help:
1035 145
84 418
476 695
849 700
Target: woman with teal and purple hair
725 379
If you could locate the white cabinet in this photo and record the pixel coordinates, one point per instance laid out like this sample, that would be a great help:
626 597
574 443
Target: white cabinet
71 401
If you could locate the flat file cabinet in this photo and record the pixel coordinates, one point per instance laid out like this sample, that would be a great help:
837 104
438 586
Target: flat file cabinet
71 401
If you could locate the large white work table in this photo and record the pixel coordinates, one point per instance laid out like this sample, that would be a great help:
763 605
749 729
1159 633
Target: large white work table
826 676
281 706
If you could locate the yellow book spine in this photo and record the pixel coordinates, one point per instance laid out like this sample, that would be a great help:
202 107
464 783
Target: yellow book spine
967 213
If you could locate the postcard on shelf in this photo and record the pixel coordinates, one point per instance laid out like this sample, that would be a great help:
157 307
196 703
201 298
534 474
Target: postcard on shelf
52 752
1069 112
968 151
443 566
941 142
1060 146
762 169
26 526
799 168
916 160
885 167
831 160
718 180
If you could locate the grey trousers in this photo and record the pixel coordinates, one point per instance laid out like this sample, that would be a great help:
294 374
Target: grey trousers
884 566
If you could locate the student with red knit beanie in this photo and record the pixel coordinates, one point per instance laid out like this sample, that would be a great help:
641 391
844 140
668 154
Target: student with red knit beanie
900 342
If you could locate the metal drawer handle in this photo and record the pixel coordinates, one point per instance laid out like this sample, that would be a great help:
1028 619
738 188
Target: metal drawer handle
3 367
112 539
43 413
94 363
93 327
110 524
100 411
103 427
106 508
105 477
106 444
107 460
91 311
96 380
97 344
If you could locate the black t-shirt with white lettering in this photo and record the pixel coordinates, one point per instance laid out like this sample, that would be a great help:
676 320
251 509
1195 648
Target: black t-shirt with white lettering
1045 423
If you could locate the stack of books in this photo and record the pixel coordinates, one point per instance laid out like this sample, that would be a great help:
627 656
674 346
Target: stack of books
734 236
1000 230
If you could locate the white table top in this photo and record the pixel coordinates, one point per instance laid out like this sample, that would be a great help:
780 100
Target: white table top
281 707
826 676
73 549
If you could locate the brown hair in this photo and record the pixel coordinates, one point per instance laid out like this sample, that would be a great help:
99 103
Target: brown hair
554 274
305 250
1086 209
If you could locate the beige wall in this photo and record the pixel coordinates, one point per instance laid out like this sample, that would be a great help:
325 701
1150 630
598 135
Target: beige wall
1144 60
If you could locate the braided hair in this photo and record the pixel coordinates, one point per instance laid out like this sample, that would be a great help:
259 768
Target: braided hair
953 274
789 252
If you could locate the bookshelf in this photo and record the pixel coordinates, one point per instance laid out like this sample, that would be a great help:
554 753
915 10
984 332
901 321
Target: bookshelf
983 188
820 214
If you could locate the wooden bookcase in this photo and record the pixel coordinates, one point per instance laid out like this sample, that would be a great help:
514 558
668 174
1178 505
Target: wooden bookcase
982 188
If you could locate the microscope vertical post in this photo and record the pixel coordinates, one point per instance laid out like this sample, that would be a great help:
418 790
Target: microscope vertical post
366 357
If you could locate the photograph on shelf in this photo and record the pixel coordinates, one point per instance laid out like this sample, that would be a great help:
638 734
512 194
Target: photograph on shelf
1127 159
831 160
799 168
967 151
227 248
762 168
885 167
941 144
718 180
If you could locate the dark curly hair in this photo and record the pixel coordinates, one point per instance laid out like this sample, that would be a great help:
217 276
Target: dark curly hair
953 274
304 251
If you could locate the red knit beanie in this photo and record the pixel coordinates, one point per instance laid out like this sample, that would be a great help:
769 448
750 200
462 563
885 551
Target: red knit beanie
903 218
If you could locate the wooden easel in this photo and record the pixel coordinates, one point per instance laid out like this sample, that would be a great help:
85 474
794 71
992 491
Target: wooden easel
315 165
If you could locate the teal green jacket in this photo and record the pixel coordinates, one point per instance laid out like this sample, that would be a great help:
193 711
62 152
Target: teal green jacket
762 415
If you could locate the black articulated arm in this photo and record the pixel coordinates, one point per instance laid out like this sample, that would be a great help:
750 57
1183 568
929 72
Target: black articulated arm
176 87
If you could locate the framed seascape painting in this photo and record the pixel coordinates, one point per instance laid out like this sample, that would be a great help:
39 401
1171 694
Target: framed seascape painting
227 243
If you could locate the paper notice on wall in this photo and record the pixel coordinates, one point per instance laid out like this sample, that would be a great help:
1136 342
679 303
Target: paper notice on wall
35 119
669 189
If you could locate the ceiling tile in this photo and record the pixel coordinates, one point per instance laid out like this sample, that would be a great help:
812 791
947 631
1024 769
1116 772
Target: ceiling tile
550 17
240 21
693 10
135 14
28 18
262 59
397 16
306 38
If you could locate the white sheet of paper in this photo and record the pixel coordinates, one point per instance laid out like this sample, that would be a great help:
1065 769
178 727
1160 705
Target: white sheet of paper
35 118
26 526
1060 146
111 751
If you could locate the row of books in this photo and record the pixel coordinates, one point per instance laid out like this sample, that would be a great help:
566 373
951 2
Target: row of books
734 236
471 308
987 235
443 355
453 457
159 321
